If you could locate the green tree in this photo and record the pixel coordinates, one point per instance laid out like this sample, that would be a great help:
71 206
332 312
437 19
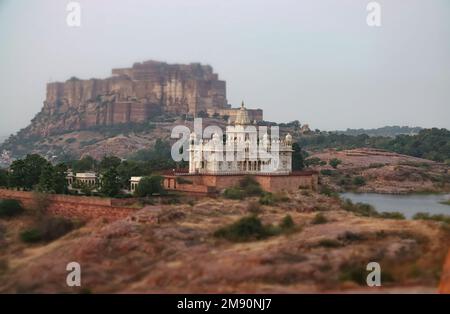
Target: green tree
334 162
149 186
47 182
87 163
53 179
128 169
26 173
60 173
4 178
298 162
109 162
110 185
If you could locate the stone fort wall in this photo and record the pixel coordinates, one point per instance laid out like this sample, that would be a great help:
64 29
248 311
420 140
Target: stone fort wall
215 183
80 207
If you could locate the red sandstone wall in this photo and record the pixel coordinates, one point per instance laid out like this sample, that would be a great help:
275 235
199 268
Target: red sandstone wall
80 207
268 183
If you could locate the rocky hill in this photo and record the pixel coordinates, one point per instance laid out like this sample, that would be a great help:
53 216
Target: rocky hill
131 95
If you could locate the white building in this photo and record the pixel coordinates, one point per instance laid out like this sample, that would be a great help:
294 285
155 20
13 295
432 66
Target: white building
242 150
134 181
87 178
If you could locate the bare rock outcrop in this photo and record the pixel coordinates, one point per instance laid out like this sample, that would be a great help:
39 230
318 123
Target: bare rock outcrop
130 95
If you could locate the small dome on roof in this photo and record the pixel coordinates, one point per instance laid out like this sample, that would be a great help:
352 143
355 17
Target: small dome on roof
242 116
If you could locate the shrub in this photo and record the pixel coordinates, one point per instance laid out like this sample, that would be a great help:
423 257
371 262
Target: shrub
245 229
392 215
349 236
326 190
353 272
361 209
10 208
268 198
31 236
427 216
329 243
54 228
359 181
335 162
287 223
47 230
319 219
250 186
327 172
234 193
150 185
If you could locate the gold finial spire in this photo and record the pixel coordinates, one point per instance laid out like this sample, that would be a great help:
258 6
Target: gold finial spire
242 116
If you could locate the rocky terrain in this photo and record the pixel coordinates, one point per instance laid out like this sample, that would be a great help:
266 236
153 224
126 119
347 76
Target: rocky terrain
382 172
120 140
179 253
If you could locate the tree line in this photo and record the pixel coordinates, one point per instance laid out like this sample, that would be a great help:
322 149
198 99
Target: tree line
432 144
36 173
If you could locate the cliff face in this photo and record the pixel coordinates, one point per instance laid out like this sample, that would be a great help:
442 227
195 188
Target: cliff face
129 95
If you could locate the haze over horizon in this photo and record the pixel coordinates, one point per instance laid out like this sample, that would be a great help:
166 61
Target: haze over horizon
313 61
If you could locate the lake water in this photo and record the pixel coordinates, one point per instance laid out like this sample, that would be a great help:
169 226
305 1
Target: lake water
406 204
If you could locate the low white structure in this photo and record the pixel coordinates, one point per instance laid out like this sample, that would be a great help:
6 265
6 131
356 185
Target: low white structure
240 151
134 181
88 178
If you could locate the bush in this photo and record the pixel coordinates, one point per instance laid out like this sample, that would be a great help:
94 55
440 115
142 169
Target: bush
10 208
250 186
234 193
392 215
54 228
268 198
287 223
327 172
245 229
326 190
426 216
31 236
359 181
349 236
335 162
361 209
319 219
150 185
47 230
353 272
329 243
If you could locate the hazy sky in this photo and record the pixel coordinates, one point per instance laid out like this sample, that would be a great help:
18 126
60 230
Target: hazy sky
316 61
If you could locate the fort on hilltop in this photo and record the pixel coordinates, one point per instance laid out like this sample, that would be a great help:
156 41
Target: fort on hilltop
134 95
